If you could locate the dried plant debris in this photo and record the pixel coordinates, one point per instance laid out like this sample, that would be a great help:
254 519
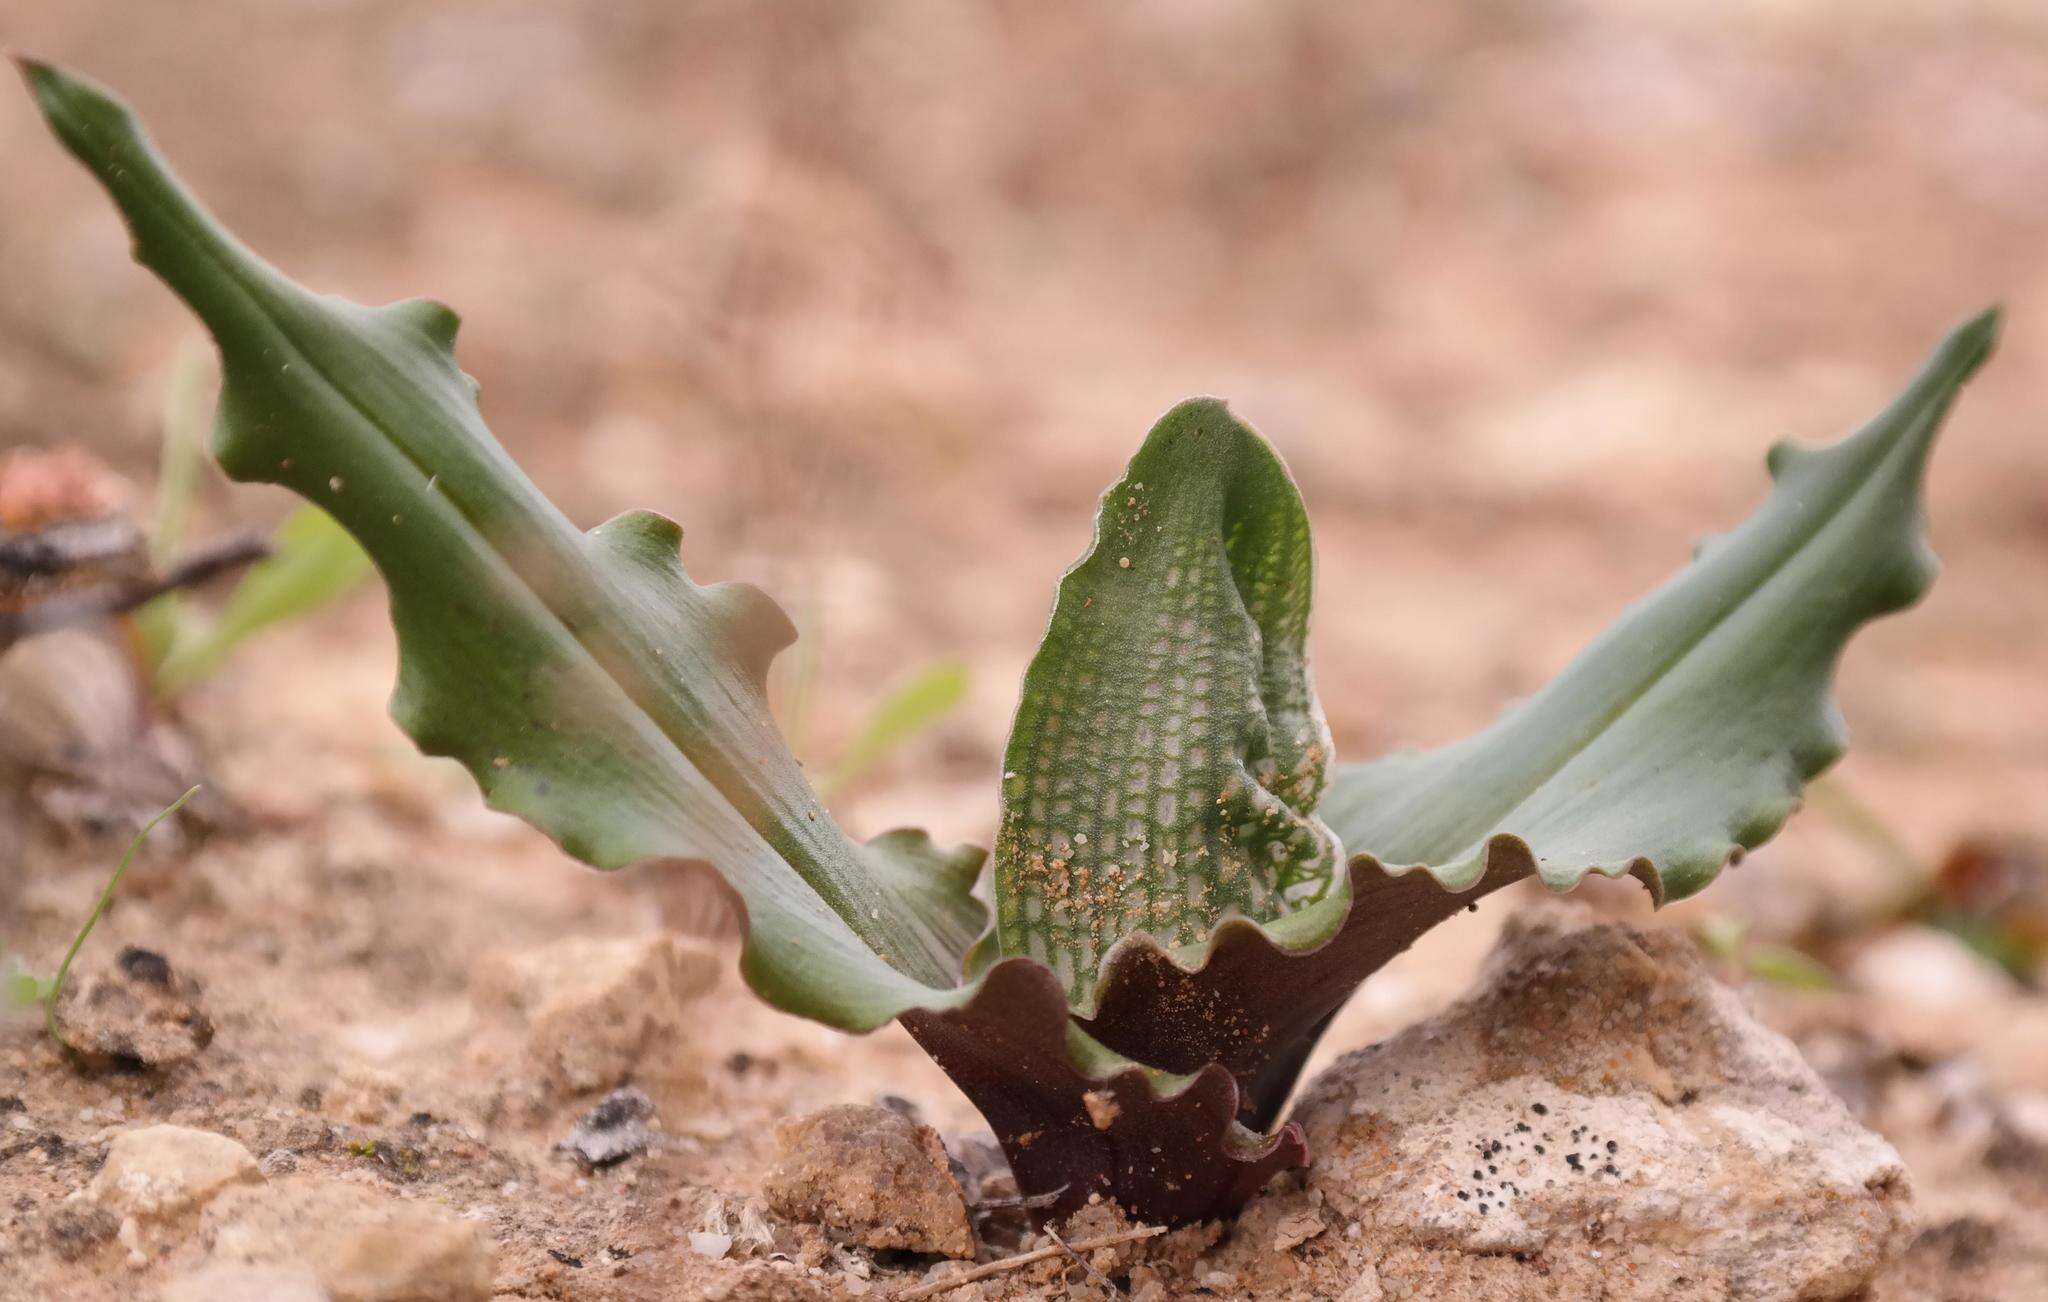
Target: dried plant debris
70 555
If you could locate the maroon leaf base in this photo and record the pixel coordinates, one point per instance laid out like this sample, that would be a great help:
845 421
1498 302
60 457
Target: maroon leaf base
1167 1159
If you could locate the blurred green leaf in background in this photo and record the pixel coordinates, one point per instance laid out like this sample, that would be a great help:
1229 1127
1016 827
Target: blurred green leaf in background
916 706
313 561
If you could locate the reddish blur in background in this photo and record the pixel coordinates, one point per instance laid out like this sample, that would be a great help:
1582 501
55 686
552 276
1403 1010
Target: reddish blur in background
874 298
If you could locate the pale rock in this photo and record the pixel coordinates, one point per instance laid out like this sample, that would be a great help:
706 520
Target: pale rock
360 1243
160 1171
873 1174
707 1244
232 1283
1686 1150
596 1008
1931 992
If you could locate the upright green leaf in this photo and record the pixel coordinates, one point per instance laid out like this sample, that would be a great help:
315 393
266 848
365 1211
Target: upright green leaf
584 679
1685 733
1168 752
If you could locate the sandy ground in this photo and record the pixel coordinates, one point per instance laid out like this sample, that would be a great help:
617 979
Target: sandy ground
874 301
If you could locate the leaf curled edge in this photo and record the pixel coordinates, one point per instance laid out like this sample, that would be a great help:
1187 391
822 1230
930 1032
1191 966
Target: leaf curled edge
1686 732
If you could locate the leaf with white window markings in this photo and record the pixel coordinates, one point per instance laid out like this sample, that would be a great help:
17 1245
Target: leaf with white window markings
1169 750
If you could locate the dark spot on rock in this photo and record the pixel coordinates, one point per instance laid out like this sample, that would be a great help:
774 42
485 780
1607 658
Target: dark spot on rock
145 965
1539 1109
1613 1147
573 1263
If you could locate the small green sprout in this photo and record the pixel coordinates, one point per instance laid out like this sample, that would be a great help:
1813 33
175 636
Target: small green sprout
48 996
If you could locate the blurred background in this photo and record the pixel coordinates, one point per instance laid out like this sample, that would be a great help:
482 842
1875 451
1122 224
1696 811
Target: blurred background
875 298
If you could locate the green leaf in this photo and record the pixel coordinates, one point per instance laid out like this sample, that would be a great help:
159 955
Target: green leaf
1168 751
589 685
1684 734
925 698
20 988
164 622
1782 965
178 461
313 561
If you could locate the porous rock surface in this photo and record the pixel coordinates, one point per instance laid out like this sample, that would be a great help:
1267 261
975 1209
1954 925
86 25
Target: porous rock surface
874 1175
1601 1118
595 1008
138 1012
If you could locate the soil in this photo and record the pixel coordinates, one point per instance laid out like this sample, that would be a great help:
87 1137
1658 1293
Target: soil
874 300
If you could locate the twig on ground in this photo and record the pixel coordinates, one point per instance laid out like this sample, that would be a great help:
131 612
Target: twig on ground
1093 1273
951 1282
120 598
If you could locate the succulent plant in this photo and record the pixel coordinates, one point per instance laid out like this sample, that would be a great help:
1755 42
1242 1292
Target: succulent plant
1186 885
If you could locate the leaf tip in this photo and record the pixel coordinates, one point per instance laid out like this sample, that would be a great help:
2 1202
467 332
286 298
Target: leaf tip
1964 349
72 104
33 71
1977 338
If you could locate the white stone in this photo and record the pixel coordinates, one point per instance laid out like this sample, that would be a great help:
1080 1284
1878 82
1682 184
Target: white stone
165 1170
